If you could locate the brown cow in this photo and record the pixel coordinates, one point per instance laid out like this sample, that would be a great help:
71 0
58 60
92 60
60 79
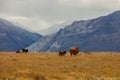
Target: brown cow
74 51
62 53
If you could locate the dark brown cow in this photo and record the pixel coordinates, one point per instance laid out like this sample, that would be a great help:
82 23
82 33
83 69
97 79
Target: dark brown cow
18 52
62 53
74 51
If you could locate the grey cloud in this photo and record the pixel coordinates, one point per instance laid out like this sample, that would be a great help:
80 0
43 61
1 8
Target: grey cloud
50 12
54 9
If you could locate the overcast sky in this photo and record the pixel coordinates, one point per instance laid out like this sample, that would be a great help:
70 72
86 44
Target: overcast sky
41 14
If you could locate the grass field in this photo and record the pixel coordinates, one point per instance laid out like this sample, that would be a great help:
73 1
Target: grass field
50 66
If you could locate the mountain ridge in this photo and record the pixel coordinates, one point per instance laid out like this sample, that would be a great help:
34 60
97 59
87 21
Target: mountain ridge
99 34
14 38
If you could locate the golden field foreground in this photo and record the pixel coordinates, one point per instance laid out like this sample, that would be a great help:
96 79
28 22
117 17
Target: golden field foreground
50 66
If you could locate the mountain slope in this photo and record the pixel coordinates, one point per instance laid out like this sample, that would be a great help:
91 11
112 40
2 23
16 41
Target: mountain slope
53 29
13 37
100 34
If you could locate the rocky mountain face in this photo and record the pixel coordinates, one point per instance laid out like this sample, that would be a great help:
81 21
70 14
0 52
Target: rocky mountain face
100 34
13 38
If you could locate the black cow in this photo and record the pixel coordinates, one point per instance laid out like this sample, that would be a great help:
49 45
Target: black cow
25 50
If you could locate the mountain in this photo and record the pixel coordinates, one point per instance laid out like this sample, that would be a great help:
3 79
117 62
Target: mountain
13 38
99 34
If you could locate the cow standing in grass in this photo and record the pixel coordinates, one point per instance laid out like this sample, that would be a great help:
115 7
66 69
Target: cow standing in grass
18 51
74 51
24 50
62 53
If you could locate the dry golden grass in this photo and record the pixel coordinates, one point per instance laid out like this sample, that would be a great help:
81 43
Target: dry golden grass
50 66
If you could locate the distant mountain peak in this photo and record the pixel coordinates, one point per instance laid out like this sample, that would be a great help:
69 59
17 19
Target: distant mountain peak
116 12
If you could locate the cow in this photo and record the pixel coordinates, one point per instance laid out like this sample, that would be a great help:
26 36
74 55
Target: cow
18 51
62 53
25 50
74 51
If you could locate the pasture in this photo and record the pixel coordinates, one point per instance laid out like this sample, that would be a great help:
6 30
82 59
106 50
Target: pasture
50 66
